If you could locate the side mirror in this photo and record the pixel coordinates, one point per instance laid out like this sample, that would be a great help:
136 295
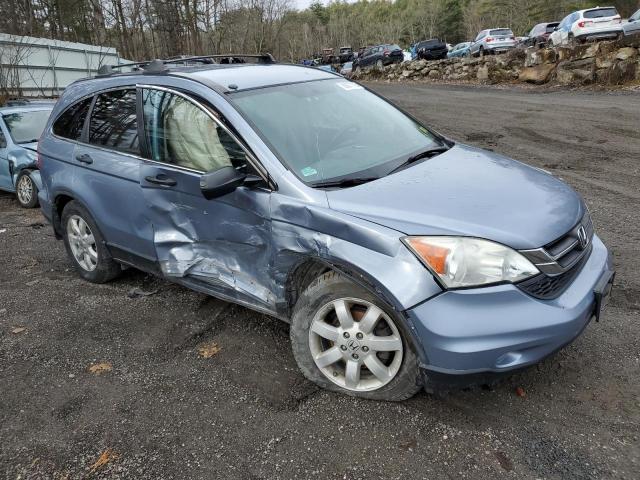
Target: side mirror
220 182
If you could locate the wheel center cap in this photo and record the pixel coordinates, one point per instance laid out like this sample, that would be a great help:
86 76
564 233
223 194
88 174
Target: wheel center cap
353 345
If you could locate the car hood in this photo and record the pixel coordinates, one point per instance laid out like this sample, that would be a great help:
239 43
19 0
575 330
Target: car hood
29 146
470 192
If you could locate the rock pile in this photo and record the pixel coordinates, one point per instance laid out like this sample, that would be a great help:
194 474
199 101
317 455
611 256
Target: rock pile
604 63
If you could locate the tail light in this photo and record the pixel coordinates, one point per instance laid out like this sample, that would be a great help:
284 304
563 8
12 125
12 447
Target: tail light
584 23
39 155
386 53
489 39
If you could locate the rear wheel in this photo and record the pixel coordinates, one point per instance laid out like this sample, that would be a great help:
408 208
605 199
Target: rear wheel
26 191
86 246
481 52
347 340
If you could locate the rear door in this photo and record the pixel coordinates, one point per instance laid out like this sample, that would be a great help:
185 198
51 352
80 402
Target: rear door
108 161
222 245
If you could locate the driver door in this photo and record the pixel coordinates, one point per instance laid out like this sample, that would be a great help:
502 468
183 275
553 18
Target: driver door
223 245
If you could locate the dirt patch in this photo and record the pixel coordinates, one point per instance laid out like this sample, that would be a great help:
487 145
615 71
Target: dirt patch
163 411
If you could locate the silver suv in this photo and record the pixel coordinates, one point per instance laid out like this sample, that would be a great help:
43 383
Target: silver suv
497 40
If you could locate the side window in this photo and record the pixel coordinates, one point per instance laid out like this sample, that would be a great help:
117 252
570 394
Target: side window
71 122
180 133
113 121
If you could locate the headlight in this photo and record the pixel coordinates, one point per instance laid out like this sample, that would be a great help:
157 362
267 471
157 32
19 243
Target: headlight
465 262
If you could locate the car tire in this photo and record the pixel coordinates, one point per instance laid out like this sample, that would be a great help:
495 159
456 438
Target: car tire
26 190
481 52
86 246
379 64
397 374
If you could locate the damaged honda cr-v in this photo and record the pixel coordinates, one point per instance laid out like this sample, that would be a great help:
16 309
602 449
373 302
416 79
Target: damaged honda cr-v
401 258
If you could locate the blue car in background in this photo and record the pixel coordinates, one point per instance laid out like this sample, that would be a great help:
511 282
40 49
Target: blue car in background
399 264
20 129
460 50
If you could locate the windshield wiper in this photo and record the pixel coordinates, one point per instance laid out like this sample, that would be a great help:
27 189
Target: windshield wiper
432 152
345 182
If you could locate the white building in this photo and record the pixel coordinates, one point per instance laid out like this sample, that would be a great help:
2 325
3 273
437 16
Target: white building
39 67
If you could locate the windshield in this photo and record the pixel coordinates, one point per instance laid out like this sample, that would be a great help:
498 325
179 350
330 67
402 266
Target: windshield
26 127
504 32
332 129
551 27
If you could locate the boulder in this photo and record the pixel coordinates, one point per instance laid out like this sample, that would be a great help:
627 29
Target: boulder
434 74
483 73
605 61
539 74
626 53
578 72
406 73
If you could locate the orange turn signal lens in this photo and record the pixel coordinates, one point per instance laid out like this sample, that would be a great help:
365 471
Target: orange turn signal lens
435 256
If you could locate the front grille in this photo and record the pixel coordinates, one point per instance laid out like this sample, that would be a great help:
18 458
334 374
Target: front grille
545 287
564 253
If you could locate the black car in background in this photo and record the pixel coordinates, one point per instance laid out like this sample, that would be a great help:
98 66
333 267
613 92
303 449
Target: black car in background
539 35
346 54
379 56
434 49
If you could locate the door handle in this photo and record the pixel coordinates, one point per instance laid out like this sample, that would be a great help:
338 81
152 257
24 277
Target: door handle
84 158
161 180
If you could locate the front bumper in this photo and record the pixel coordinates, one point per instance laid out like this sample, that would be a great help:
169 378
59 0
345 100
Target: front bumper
500 329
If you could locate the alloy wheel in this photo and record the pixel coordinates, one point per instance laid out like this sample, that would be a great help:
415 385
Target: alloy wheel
82 243
355 344
24 189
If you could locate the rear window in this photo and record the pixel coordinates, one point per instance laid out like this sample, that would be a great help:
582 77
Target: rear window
113 121
393 47
71 122
551 27
601 13
502 32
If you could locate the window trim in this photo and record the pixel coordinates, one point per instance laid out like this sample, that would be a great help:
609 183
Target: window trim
87 120
251 158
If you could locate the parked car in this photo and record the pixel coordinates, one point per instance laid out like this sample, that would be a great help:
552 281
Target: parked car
326 68
345 55
632 27
397 263
20 129
433 49
497 40
460 50
539 35
346 69
591 24
379 56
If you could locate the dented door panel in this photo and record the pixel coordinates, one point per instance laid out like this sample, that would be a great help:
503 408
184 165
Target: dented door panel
223 243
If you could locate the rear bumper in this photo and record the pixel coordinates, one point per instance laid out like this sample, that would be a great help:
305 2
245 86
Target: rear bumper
500 48
45 205
608 32
501 329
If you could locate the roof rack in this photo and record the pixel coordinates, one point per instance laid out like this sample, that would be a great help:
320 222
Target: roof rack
158 65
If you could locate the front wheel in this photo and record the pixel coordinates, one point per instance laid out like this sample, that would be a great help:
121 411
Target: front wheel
26 191
347 340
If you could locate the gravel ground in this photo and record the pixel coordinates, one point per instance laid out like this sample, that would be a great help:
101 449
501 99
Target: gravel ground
96 384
